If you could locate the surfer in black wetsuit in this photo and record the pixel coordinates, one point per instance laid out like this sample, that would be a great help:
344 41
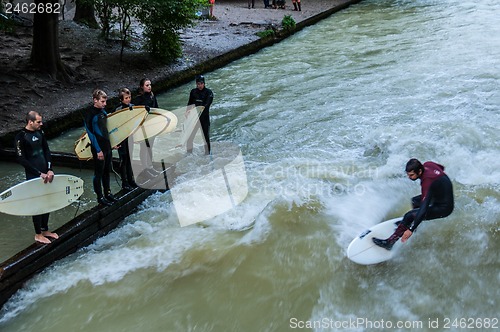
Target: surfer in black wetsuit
34 154
126 173
95 124
201 96
146 98
436 200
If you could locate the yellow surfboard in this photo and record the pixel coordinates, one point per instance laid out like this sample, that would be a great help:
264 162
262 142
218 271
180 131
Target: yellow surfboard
158 121
121 124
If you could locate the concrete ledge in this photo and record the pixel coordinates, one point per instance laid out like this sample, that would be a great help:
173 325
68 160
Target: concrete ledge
74 120
76 234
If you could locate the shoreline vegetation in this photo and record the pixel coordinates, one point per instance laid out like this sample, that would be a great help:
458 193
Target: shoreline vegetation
210 44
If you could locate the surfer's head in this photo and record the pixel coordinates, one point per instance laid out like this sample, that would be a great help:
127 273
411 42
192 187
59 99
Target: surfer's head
200 81
33 120
125 96
414 169
100 97
145 86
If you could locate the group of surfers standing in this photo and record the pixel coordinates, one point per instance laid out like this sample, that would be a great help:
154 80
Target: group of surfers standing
33 151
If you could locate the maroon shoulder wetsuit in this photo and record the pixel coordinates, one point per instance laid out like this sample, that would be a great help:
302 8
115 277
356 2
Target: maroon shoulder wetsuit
436 200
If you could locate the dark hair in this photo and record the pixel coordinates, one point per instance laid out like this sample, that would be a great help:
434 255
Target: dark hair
124 92
31 116
414 165
200 78
141 85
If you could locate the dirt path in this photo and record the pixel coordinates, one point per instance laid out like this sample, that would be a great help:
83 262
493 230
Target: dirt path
95 63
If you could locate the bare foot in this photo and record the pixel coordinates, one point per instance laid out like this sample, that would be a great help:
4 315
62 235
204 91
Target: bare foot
42 239
50 234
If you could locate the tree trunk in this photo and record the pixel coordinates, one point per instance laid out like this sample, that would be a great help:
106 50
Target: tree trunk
45 50
85 14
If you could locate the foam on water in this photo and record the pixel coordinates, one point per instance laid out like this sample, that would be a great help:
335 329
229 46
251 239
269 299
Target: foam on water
324 137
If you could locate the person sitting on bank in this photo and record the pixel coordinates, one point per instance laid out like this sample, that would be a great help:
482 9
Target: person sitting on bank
436 200
33 154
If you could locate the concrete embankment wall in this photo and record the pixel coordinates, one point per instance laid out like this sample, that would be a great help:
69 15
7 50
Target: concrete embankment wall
78 233
73 119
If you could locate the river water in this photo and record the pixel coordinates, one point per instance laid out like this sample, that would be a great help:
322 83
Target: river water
325 121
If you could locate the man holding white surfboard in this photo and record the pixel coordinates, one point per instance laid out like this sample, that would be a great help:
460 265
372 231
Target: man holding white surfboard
436 200
34 154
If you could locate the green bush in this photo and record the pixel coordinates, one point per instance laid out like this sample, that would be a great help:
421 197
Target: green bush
288 23
265 33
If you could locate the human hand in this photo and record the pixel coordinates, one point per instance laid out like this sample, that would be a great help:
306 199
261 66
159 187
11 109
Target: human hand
406 235
50 176
46 177
100 155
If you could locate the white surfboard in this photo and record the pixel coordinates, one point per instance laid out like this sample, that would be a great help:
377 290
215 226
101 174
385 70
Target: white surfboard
363 251
33 197
158 121
121 124
191 119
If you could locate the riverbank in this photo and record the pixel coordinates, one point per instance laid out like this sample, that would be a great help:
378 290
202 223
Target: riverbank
94 63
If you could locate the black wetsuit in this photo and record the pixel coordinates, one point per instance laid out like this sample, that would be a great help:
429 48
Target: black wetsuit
204 98
438 203
34 154
146 148
126 172
95 124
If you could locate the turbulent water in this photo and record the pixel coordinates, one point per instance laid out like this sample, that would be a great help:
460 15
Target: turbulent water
325 121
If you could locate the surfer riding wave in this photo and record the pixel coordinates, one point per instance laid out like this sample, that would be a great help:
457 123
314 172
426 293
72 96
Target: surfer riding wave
436 200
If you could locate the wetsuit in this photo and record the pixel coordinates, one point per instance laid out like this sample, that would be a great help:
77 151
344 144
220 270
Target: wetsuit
34 154
146 148
436 200
95 124
126 172
204 98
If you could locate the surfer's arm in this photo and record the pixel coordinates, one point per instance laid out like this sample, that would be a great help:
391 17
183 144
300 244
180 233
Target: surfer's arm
46 152
209 100
93 137
422 211
49 176
21 156
191 99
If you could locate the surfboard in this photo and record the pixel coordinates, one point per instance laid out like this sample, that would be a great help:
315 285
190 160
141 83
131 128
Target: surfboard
33 197
82 147
363 251
191 119
121 124
158 121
